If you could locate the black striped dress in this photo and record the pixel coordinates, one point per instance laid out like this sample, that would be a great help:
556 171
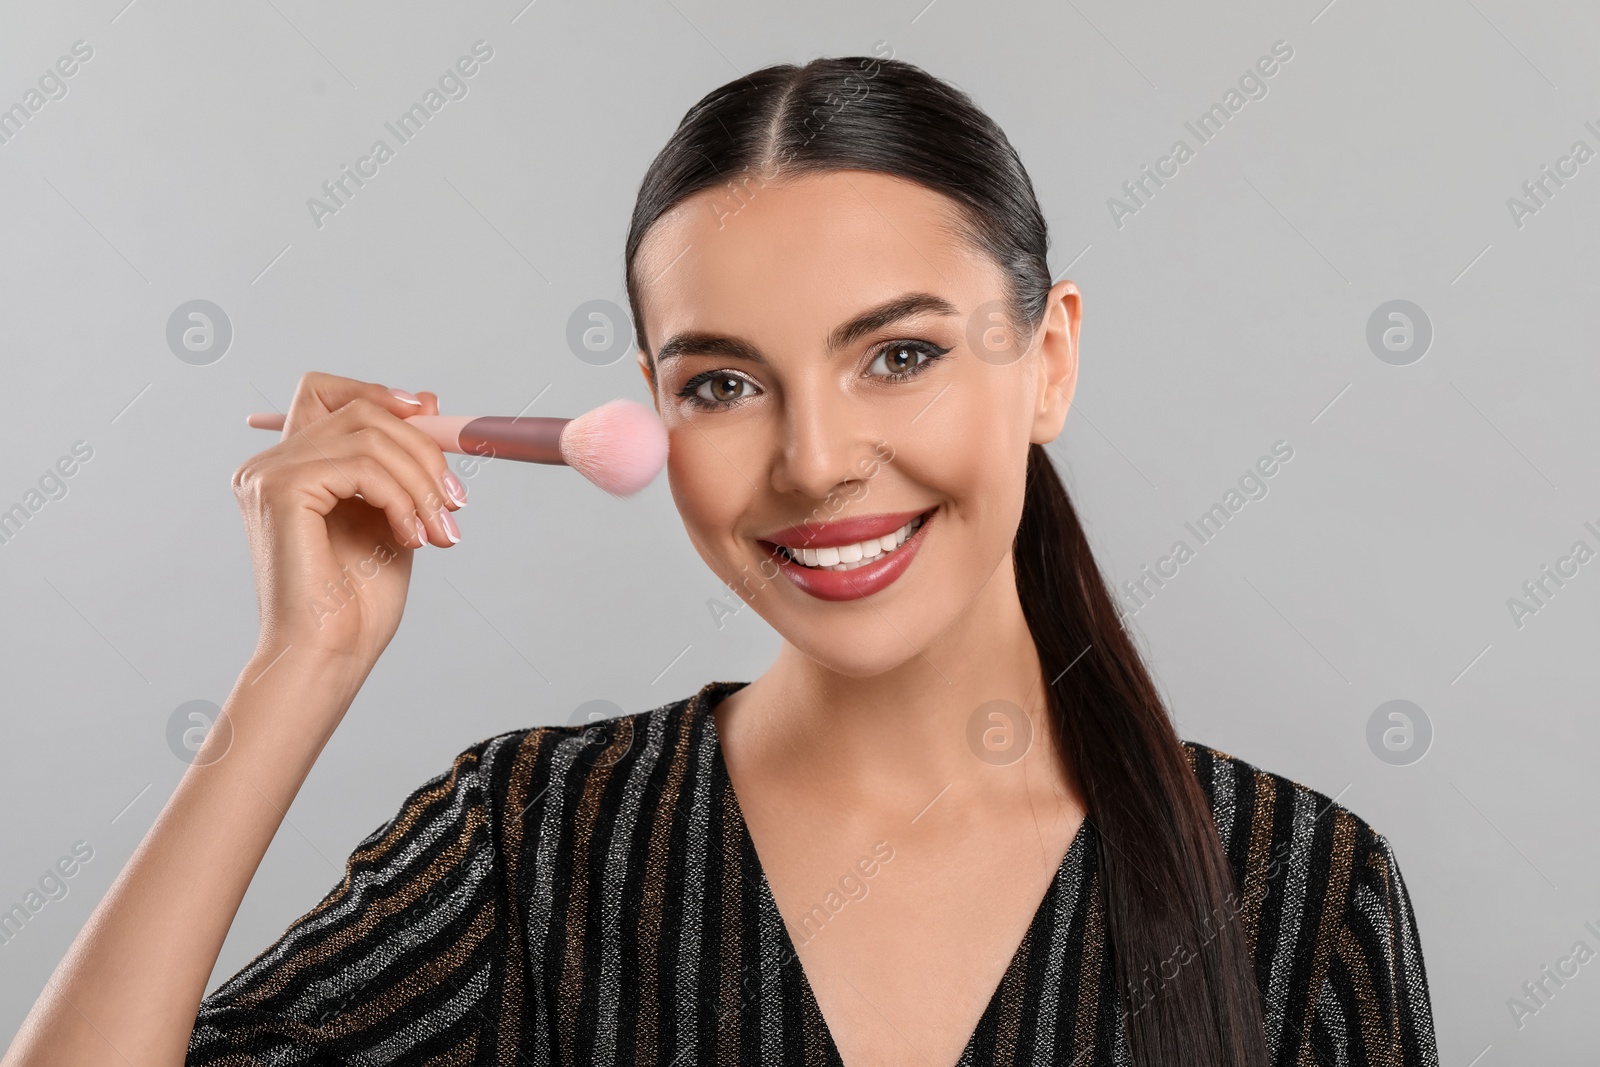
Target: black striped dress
591 895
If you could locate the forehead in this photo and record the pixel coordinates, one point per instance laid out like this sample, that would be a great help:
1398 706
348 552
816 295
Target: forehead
801 254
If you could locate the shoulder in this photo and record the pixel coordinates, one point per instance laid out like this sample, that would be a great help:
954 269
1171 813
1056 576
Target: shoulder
1326 912
542 778
1292 847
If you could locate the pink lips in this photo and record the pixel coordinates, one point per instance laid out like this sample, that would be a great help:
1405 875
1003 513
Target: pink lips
861 581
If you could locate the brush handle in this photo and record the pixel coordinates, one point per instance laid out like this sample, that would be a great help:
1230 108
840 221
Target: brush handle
529 438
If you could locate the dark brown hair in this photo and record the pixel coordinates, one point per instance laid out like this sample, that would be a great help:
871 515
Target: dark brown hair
1165 878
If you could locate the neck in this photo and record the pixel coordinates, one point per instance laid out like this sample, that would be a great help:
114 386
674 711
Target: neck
879 741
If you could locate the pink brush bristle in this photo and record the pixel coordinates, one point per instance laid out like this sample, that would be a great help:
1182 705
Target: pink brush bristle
619 446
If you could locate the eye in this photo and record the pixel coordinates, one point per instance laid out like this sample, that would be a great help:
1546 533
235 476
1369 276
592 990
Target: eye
899 358
715 389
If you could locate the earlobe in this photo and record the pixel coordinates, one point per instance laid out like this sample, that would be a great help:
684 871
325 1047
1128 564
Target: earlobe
1058 361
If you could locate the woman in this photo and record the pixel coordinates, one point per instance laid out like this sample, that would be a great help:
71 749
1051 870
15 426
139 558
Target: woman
951 823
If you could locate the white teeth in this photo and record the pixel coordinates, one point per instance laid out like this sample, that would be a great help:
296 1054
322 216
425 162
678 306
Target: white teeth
849 557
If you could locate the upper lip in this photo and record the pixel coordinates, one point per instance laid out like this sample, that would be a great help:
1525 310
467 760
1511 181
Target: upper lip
843 532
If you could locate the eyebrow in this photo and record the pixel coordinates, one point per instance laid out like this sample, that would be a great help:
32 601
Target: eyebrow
842 336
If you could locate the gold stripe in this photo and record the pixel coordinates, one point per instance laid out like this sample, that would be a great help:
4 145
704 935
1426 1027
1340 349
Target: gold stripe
1259 856
654 889
513 820
574 978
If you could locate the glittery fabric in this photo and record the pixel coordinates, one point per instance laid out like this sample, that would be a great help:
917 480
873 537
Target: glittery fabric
591 895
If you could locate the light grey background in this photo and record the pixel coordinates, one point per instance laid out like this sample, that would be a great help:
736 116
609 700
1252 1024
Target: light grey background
1229 313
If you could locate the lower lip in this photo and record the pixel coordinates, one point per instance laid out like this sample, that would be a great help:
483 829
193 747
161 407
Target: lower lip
859 582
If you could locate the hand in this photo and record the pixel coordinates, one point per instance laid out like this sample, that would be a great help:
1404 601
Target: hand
332 515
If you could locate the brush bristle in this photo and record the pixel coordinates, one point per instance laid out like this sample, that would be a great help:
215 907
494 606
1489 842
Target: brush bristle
619 446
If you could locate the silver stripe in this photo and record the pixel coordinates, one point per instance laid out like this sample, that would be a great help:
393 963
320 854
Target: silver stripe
365 972
392 869
694 891
1294 897
1060 928
610 934
1222 791
428 1025
1410 952
540 903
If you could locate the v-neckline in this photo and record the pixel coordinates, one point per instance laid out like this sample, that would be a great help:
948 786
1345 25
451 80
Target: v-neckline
704 704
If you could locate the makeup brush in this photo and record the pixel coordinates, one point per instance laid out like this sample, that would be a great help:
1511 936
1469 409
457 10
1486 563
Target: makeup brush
619 446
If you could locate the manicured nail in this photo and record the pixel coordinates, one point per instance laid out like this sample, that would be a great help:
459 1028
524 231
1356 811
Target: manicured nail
422 531
409 398
450 528
454 489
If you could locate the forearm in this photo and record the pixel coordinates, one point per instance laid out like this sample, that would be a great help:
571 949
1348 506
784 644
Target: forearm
128 989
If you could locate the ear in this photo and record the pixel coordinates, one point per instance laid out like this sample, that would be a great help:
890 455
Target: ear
1058 361
649 380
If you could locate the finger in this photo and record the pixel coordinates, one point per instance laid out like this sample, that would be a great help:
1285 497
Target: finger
319 394
446 490
430 403
329 481
410 456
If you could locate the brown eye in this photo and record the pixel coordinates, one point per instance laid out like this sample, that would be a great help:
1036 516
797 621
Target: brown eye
899 359
715 389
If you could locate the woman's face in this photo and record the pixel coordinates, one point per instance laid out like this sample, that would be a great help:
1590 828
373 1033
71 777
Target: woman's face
795 394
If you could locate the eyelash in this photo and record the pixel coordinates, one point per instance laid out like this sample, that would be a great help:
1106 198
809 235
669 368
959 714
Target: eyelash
933 352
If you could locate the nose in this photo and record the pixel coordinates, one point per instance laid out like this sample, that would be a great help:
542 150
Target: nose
827 440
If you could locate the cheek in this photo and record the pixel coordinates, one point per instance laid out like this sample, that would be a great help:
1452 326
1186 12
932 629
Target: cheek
709 491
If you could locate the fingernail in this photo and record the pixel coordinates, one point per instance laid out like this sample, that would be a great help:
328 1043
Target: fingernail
450 528
454 489
422 531
409 398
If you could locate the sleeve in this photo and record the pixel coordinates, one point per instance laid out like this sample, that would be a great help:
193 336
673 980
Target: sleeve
401 962
1373 1009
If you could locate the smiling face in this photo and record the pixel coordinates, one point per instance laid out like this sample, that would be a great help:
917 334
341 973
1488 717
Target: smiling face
816 363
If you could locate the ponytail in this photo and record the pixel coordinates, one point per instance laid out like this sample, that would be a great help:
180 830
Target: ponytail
1165 873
